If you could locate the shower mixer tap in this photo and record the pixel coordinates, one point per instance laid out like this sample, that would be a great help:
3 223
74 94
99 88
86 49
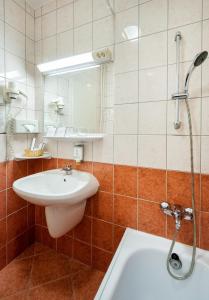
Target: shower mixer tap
177 212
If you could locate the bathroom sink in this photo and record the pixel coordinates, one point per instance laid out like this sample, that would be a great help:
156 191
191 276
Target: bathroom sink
64 196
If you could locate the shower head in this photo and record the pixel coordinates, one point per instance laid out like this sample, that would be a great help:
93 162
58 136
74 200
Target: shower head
198 60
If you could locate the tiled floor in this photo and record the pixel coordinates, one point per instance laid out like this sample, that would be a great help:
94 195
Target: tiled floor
39 273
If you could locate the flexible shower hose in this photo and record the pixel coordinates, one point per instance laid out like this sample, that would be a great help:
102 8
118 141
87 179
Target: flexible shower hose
190 271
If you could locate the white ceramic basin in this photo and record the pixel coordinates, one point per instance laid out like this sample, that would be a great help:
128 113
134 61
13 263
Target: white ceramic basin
64 196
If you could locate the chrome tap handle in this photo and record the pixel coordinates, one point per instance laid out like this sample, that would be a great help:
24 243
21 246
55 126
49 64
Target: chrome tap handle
188 214
67 169
166 208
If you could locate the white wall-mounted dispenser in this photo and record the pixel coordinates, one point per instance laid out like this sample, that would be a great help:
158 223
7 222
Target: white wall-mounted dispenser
78 153
24 126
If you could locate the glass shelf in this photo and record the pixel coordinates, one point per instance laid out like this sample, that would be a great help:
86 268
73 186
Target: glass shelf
20 156
78 137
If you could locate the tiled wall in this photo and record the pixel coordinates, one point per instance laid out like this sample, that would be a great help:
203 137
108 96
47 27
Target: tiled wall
17 64
138 112
142 160
16 215
17 61
128 197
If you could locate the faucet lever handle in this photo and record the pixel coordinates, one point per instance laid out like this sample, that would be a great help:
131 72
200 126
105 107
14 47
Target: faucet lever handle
166 208
188 214
67 169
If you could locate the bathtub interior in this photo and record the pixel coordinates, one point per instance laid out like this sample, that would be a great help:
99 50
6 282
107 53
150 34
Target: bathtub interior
138 271
145 277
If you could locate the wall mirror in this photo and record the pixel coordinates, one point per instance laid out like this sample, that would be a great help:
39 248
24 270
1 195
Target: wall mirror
73 101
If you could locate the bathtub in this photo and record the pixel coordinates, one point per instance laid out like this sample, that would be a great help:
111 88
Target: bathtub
138 271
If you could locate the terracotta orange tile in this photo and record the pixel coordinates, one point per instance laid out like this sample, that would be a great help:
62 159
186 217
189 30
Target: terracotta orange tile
18 296
65 162
104 174
17 246
152 184
101 259
31 215
83 230
16 223
28 252
118 234
125 211
2 233
2 258
60 289
48 266
86 283
85 166
35 166
89 205
150 218
38 233
49 164
2 176
47 239
44 223
82 252
103 206
39 215
179 188
102 236
31 235
14 278
204 229
65 245
40 248
70 233
15 170
14 202
205 193
77 266
125 179
2 204
185 234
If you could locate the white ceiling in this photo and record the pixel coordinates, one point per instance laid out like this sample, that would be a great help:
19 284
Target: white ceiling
37 3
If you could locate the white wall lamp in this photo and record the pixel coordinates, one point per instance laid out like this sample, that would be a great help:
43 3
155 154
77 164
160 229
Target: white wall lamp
76 62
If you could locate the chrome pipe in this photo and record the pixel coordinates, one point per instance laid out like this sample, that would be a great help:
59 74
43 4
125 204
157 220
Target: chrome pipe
178 37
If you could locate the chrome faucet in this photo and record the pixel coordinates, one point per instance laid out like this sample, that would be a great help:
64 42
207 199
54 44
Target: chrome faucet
68 169
177 212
